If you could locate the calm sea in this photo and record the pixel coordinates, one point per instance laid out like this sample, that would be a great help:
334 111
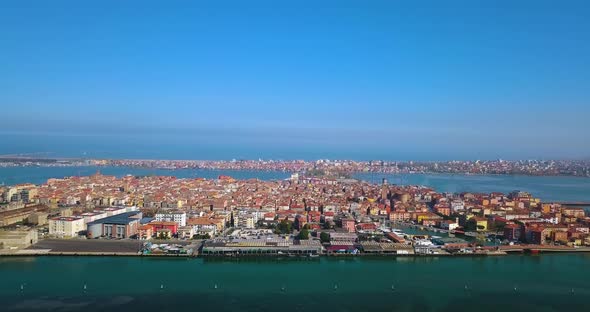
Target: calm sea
511 283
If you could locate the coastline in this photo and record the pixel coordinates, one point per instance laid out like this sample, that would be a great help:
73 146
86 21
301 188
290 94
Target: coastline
355 172
48 253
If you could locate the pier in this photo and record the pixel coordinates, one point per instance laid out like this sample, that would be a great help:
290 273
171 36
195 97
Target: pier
577 203
542 248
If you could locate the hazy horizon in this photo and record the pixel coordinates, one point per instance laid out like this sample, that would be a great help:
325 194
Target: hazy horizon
425 80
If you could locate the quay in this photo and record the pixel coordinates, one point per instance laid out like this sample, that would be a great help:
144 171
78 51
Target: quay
542 248
576 203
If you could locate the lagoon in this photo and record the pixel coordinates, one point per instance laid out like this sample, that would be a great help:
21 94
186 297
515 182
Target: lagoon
511 283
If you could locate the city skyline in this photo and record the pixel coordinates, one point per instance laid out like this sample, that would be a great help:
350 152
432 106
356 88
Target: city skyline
298 80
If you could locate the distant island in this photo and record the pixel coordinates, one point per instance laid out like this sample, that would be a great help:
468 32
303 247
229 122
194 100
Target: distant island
327 167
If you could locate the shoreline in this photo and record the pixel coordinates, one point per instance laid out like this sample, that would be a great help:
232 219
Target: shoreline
353 172
44 253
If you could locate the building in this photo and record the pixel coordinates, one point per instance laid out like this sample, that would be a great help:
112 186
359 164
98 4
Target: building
38 218
19 214
537 236
18 239
559 236
245 220
270 247
371 247
337 238
159 225
348 225
512 232
113 211
443 210
202 226
123 225
481 223
172 216
66 226
145 232
448 225
164 233
93 216
186 232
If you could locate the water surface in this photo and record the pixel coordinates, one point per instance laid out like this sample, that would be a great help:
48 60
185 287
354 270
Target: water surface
511 283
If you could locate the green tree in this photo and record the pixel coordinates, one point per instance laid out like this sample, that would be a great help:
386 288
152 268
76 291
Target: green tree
285 227
202 236
498 226
325 237
303 234
470 225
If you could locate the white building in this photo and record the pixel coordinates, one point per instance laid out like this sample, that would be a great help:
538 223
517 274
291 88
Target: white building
457 205
112 211
92 216
175 216
66 226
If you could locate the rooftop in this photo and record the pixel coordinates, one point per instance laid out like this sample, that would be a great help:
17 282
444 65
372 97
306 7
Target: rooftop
123 218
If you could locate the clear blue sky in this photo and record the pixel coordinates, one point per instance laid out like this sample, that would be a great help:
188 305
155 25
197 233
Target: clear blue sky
301 79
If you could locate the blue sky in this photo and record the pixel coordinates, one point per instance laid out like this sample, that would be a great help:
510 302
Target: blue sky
300 79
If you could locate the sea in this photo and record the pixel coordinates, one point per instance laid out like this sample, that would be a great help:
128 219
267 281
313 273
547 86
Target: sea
545 282
510 283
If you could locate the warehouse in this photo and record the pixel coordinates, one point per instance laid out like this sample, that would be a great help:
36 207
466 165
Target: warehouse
17 239
124 225
270 247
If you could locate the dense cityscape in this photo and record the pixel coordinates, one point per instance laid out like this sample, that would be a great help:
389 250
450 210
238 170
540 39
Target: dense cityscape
295 156
303 216
514 167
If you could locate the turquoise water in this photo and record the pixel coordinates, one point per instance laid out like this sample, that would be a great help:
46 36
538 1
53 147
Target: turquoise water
547 188
543 283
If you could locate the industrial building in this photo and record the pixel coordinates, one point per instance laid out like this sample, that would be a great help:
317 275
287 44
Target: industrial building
371 247
38 218
270 247
18 239
123 225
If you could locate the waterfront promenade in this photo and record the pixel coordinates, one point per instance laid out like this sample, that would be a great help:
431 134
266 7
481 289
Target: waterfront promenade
132 248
